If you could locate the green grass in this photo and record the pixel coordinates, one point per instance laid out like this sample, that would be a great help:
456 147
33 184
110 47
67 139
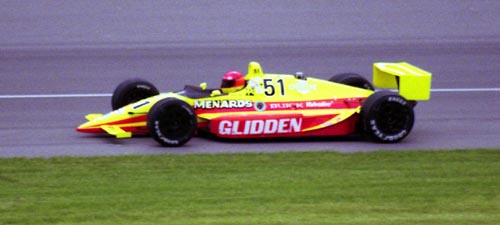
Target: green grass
417 187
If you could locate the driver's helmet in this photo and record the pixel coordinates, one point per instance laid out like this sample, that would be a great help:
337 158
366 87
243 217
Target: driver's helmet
232 81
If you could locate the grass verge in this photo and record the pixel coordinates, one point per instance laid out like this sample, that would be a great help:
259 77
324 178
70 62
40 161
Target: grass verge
416 187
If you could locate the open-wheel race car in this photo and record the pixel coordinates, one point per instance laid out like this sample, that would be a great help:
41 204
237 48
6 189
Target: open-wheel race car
261 105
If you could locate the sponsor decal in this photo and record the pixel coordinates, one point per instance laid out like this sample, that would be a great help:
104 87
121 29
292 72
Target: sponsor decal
255 85
260 106
286 105
319 104
386 137
397 99
160 135
141 104
322 104
260 126
303 87
143 86
222 104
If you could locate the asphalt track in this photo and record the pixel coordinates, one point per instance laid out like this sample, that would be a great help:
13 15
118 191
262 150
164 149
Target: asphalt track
47 89
457 116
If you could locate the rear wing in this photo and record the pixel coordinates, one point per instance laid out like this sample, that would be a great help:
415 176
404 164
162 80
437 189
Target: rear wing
412 82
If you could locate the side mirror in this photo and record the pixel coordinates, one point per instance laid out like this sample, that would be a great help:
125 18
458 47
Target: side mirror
203 86
300 75
215 93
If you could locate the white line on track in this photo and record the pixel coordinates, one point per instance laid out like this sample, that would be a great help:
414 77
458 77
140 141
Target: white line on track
109 95
464 89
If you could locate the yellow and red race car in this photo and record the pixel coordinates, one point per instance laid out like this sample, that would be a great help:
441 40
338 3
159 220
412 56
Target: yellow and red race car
261 105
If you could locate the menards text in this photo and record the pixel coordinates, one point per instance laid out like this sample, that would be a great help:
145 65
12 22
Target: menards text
222 104
267 126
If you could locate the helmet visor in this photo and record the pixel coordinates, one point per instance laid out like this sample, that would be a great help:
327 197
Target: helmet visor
227 83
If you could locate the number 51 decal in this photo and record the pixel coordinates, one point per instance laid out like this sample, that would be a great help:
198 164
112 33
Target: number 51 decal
270 86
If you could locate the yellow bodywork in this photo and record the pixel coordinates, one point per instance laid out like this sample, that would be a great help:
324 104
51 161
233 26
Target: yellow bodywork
280 89
116 131
289 88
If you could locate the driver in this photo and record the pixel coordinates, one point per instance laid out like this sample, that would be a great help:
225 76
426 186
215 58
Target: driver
232 81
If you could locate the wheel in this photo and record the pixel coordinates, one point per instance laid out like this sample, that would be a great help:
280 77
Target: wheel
352 79
130 91
387 117
172 122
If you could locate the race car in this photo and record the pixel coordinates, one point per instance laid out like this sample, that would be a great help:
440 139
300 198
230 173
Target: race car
262 105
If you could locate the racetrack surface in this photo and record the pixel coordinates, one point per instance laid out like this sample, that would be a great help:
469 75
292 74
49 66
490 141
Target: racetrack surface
45 126
39 113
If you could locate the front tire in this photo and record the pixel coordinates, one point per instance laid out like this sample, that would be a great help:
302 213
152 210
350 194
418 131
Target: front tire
172 122
130 91
387 117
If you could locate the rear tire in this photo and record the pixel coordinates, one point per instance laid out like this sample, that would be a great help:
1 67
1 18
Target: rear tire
172 122
387 117
130 91
352 79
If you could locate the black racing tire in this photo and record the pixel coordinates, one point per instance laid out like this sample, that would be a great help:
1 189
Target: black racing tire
352 79
172 122
130 91
387 117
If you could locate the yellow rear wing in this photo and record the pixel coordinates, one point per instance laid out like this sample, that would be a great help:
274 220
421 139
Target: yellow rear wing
412 82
